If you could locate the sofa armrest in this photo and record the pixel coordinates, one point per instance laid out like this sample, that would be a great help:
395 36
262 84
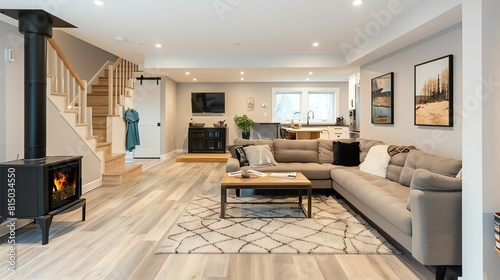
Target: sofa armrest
429 181
436 210
233 164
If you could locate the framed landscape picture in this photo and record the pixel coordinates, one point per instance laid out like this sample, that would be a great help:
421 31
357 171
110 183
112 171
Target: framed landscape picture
434 92
383 99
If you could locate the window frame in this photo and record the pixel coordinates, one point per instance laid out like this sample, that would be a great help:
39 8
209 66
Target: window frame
304 102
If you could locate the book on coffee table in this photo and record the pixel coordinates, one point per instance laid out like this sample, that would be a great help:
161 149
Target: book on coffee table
284 175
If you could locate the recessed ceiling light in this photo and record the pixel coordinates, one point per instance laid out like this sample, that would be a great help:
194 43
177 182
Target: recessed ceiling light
120 39
98 3
242 73
357 2
315 44
310 73
187 73
194 79
158 45
242 78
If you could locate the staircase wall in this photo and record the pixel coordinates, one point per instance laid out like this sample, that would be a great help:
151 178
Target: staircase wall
62 140
87 59
118 132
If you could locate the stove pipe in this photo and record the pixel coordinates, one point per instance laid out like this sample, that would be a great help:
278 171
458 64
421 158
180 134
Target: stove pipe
36 27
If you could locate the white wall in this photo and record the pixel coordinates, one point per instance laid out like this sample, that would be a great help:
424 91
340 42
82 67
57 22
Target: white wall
442 141
236 98
87 59
481 135
169 115
12 91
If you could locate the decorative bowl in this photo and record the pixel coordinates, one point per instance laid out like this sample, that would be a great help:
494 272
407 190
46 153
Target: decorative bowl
197 125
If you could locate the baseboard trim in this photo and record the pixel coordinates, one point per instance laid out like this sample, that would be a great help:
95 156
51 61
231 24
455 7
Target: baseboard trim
170 154
92 185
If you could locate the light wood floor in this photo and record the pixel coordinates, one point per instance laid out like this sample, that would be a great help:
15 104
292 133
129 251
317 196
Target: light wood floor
125 224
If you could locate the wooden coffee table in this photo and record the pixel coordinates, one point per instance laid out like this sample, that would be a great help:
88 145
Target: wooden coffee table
300 182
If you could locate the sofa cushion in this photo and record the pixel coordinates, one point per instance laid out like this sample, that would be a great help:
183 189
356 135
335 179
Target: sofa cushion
384 197
419 160
259 155
241 142
325 149
376 161
312 171
296 150
346 154
365 145
396 166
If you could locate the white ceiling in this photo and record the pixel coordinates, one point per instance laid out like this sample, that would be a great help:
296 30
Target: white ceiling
271 41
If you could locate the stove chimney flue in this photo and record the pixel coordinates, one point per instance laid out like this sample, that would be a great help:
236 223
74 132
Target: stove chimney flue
36 27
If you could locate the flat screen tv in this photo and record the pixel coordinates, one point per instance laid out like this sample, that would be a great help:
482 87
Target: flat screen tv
207 102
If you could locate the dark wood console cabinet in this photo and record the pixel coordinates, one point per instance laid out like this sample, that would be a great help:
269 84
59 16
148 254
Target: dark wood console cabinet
207 140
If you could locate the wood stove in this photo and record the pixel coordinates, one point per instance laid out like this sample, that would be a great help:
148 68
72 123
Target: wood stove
41 189
38 187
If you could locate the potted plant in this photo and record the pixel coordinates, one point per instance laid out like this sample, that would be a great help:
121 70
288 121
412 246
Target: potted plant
244 122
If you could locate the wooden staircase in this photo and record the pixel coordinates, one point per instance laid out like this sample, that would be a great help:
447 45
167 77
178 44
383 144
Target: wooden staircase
116 171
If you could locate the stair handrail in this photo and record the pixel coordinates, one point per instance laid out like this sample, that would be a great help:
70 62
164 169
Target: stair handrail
66 62
119 75
67 81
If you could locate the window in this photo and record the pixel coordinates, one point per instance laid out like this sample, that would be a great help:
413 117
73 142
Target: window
295 103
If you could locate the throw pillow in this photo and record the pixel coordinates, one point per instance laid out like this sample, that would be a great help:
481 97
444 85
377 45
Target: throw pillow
394 150
259 155
459 174
240 155
346 154
376 161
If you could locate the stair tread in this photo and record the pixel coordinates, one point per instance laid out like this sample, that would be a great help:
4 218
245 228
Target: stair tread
114 156
122 170
102 145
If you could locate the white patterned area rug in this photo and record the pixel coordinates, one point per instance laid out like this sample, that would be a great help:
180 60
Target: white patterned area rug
249 228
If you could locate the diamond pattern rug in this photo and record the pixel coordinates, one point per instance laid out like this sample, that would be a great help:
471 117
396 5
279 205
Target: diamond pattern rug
249 228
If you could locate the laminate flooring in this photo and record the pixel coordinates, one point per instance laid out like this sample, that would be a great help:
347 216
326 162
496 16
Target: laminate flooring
125 224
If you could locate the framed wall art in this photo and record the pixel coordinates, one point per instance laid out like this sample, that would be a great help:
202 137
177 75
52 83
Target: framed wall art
434 92
383 99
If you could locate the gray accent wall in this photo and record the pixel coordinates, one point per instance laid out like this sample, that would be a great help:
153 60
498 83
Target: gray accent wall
236 99
443 141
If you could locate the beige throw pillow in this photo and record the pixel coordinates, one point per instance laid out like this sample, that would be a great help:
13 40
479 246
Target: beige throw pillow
260 155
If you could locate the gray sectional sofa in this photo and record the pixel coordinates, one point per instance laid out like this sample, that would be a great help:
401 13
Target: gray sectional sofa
418 203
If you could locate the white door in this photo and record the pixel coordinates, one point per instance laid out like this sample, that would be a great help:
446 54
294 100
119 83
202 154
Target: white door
147 104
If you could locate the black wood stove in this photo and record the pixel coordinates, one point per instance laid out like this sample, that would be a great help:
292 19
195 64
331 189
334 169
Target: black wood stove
38 187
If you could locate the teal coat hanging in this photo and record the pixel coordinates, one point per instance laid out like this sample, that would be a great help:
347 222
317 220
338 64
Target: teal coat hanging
132 137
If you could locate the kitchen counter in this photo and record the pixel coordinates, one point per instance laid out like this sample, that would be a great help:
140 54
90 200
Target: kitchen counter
304 132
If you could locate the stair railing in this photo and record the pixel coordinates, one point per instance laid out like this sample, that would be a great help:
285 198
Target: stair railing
67 81
121 79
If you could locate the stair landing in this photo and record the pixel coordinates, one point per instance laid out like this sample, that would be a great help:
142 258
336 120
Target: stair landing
120 175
